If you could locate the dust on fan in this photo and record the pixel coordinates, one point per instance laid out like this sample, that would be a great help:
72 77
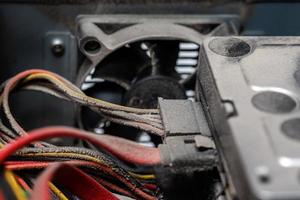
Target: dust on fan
136 75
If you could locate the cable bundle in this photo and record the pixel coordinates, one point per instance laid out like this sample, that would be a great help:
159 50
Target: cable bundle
120 167
48 82
98 165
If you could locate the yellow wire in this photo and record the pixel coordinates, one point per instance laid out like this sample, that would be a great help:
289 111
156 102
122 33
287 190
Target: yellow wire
56 191
143 176
19 192
90 158
67 155
81 95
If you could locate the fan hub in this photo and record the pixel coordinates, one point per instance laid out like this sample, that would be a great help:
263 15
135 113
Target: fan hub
144 93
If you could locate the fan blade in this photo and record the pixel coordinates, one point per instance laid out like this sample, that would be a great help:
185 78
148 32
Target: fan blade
166 53
107 91
123 64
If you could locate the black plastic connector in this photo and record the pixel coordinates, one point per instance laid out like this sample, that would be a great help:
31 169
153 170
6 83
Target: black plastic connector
189 158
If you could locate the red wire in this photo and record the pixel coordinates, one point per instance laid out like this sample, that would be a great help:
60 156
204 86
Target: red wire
121 148
2 195
23 183
114 188
150 186
75 180
23 165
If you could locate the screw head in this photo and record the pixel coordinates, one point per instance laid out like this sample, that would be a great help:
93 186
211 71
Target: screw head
263 174
58 47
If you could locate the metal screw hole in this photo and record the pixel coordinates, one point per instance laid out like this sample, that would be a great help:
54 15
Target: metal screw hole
92 46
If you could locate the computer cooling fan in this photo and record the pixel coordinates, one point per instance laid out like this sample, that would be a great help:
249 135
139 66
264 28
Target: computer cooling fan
134 60
136 75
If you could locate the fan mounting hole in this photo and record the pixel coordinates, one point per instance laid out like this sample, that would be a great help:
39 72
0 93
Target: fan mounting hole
274 102
291 128
92 46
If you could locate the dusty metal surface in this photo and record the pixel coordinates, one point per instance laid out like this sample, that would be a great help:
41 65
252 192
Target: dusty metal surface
260 142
